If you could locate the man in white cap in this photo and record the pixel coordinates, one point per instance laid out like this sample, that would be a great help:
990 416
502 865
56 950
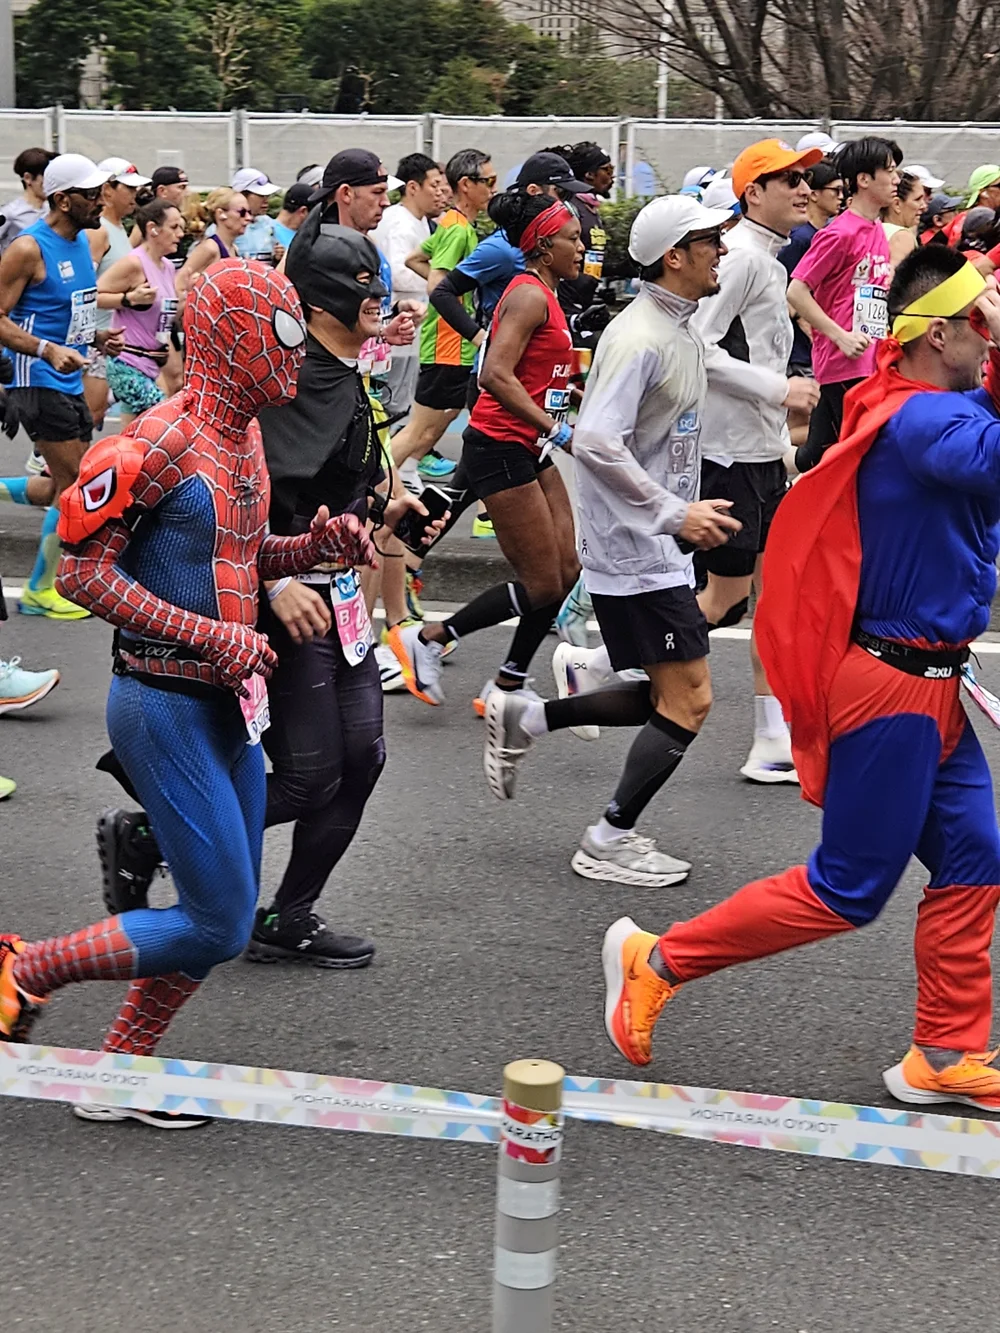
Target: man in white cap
260 240
109 243
817 139
927 179
636 446
48 308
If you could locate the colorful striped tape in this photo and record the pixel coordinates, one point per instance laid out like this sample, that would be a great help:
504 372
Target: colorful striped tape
956 1144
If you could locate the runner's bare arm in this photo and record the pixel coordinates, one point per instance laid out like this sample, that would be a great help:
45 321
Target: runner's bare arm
20 265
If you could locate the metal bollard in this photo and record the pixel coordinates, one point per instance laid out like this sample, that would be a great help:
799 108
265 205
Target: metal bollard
528 1197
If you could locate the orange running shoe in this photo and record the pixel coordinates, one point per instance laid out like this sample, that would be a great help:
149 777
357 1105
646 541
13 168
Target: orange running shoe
634 993
18 1010
971 1081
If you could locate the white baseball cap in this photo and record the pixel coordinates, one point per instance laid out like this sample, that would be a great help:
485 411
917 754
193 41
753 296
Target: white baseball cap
72 171
664 222
123 172
817 139
925 177
248 180
697 176
718 193
313 177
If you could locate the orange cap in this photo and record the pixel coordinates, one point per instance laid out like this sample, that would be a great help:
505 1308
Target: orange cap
767 156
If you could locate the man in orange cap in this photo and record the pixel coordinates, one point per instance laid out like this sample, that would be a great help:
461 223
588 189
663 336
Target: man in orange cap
748 338
839 286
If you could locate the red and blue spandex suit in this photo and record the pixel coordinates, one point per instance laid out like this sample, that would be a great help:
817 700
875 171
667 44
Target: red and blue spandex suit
896 533
166 539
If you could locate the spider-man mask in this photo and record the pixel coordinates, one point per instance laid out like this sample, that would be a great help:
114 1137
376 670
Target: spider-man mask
245 340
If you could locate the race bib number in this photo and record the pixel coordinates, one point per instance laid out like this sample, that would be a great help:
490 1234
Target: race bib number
593 263
871 311
683 447
168 313
256 709
354 629
83 318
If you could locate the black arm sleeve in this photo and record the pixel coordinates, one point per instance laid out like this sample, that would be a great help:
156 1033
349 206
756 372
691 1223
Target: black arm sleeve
445 300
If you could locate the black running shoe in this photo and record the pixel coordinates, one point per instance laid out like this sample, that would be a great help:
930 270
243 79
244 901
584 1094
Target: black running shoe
129 859
305 939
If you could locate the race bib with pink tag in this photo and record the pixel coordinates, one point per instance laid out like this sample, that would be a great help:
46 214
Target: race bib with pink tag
256 710
354 628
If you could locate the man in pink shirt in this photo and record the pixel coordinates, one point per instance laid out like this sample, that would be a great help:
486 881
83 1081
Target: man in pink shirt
839 286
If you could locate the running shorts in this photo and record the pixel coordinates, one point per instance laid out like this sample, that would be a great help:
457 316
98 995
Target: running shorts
47 414
442 388
135 391
641 629
824 424
756 490
498 465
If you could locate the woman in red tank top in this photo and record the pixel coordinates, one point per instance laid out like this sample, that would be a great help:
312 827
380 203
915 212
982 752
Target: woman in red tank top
517 421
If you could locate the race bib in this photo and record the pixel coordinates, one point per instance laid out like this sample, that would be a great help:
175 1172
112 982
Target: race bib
168 313
354 629
682 444
83 318
256 709
557 404
593 259
871 312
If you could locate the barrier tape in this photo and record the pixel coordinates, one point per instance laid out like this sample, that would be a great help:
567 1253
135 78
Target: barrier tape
838 1130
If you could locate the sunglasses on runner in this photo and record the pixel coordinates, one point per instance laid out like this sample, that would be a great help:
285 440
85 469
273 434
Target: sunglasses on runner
92 194
713 237
484 180
792 178
242 212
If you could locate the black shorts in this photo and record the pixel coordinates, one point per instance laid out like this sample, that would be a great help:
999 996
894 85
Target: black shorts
442 387
498 465
644 628
47 414
756 490
824 424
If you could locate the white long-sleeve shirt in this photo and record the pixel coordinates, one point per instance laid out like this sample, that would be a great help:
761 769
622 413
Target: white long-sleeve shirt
397 235
747 332
636 446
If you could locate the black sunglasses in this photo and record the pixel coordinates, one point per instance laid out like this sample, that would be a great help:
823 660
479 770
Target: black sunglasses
713 237
92 194
792 178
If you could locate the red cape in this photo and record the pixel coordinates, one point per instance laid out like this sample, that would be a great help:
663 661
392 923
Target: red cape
812 568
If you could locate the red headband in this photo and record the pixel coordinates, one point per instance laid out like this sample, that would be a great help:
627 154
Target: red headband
547 223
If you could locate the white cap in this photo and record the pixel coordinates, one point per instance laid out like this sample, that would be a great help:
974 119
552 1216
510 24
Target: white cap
72 171
925 177
123 172
817 139
312 177
248 180
664 222
718 193
697 176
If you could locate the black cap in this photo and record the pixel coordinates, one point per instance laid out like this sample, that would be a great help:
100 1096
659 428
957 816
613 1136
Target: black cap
296 196
169 176
351 166
550 169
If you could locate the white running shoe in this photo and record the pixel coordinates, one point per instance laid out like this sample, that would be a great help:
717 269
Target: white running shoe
571 669
20 689
506 739
155 1119
421 662
631 860
390 673
770 761
576 610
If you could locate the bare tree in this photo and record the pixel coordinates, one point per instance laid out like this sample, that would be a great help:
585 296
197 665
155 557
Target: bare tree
846 59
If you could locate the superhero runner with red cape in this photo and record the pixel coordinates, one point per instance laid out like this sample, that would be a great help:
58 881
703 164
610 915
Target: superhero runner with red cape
880 571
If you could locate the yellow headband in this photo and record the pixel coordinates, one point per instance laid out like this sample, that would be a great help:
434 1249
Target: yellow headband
941 302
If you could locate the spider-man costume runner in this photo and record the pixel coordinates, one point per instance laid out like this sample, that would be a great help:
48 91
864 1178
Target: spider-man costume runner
881 572
166 539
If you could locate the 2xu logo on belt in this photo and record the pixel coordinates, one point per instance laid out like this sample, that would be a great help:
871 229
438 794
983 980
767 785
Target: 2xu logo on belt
930 664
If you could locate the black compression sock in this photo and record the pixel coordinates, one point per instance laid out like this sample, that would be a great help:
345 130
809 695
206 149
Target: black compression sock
624 704
655 753
491 607
528 638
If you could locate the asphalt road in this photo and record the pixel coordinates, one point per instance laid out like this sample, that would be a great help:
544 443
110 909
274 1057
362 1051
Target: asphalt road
488 951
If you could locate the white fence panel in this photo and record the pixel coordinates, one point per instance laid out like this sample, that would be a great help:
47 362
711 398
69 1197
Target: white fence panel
20 130
511 139
202 143
950 151
659 152
283 145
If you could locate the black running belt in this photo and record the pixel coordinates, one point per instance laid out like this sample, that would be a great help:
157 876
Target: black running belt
931 663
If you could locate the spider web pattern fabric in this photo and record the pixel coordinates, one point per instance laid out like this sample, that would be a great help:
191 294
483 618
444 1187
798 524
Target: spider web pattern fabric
102 952
146 1013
